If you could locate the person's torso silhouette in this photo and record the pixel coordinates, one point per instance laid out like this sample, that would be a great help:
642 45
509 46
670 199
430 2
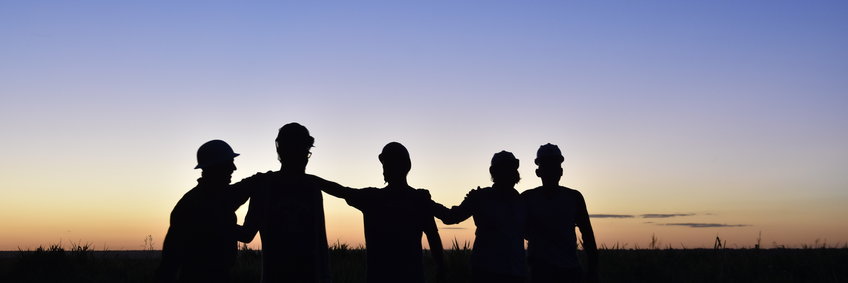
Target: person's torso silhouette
499 215
395 218
287 209
550 226
553 212
200 245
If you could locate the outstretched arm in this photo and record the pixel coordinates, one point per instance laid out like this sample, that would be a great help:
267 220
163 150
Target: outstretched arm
332 188
589 245
455 214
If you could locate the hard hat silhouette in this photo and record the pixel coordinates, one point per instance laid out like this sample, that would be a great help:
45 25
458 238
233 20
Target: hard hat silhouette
214 152
549 153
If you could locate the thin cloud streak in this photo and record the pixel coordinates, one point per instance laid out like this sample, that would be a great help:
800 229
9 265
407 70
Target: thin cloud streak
610 216
666 215
705 225
647 215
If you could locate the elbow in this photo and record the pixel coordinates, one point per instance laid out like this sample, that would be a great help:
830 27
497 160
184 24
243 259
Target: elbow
450 221
245 239
451 218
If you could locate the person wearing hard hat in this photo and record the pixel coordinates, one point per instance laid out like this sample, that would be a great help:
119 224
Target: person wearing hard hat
201 244
395 218
552 213
498 253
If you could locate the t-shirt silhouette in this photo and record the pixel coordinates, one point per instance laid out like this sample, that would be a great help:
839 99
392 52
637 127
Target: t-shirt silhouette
551 219
289 212
499 215
395 218
201 240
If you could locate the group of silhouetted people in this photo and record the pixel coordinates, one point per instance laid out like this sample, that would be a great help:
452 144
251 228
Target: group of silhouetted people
286 208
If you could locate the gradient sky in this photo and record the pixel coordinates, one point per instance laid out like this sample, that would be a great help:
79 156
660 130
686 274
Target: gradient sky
728 113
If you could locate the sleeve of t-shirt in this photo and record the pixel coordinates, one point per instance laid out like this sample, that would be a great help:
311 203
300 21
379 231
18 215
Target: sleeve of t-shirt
428 223
244 189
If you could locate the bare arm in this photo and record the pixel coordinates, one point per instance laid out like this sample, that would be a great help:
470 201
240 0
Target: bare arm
436 249
458 213
246 234
250 187
589 245
244 189
332 188
252 220
440 211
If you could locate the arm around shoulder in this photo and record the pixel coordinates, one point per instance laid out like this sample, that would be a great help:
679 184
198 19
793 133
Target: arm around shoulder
246 188
332 188
461 212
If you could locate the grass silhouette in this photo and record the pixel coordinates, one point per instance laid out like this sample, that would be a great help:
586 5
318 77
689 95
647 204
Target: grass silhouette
819 262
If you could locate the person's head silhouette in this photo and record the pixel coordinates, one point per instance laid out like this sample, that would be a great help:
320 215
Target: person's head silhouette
549 159
504 168
215 158
396 163
293 145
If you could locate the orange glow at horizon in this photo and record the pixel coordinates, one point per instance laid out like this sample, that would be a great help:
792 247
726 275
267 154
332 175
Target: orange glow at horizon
344 225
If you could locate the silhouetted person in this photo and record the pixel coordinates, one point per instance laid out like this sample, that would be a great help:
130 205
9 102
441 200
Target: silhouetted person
498 254
201 242
395 217
552 213
288 210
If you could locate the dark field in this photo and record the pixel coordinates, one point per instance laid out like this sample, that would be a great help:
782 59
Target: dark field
348 265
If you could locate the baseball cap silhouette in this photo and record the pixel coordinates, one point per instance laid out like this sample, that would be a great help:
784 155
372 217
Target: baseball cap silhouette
549 153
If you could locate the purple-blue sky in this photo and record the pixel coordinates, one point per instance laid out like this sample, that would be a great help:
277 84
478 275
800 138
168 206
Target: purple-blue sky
722 112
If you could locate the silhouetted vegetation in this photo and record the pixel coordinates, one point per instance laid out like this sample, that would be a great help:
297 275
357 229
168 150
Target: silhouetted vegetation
819 262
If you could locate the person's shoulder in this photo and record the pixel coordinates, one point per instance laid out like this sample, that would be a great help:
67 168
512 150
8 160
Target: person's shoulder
531 192
363 197
192 195
574 193
255 178
368 191
315 180
422 193
479 192
187 202
570 190
311 177
262 175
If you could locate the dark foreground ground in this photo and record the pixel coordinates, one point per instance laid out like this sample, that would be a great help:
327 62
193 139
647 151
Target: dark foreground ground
348 265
